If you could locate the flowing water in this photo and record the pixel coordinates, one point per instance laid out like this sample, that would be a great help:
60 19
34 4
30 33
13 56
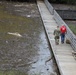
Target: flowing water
23 44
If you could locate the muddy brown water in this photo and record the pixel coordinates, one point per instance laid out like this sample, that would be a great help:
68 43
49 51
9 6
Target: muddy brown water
25 54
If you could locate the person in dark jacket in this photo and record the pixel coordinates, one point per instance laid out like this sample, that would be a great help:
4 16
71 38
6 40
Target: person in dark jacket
57 35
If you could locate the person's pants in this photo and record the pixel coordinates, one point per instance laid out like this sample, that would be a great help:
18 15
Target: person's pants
62 37
57 40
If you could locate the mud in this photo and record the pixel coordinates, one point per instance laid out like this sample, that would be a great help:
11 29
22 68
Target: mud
25 55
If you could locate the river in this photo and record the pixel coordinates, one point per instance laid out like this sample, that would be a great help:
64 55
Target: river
24 48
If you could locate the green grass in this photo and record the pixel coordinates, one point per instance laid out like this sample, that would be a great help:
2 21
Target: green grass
12 73
73 28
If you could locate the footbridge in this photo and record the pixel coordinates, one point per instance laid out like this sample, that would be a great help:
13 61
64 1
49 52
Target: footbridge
63 53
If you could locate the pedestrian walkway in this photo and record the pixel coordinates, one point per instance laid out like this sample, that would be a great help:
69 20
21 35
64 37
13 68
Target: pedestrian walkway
62 52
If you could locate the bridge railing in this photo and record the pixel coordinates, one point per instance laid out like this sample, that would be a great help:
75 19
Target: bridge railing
51 9
60 22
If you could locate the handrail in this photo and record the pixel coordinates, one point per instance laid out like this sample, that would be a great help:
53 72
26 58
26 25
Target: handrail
59 21
49 6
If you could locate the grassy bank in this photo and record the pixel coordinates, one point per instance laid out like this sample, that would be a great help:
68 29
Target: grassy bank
71 25
73 28
11 73
14 72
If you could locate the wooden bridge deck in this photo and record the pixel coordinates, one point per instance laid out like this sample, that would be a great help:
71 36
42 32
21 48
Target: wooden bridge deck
62 52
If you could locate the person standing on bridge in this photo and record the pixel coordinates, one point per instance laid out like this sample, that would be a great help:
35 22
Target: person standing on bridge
57 35
63 32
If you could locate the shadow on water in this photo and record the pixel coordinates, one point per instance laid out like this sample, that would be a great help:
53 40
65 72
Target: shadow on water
25 55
